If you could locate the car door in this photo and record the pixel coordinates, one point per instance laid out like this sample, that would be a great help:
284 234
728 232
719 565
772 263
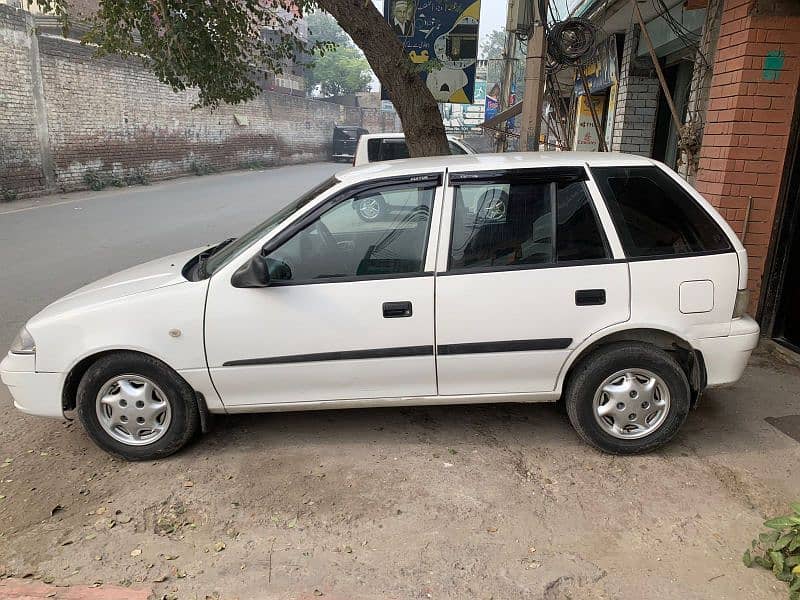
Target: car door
526 275
348 313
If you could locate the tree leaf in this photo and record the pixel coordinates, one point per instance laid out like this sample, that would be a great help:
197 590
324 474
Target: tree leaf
780 522
747 559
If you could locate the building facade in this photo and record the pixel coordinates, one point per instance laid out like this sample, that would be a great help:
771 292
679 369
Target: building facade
732 68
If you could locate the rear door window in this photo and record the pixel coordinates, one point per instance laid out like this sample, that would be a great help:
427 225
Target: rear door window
522 219
654 216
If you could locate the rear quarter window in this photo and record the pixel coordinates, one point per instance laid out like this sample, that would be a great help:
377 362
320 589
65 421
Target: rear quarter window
654 216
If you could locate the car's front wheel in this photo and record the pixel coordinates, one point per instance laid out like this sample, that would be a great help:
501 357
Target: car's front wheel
136 407
628 398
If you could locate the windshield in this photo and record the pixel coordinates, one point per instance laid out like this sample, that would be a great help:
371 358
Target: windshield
220 258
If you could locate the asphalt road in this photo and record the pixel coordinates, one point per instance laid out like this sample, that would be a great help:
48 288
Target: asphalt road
52 246
497 501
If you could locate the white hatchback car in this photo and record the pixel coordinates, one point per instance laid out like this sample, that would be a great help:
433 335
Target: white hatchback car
602 279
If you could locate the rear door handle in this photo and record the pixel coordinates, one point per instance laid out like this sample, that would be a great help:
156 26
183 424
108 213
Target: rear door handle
394 310
590 297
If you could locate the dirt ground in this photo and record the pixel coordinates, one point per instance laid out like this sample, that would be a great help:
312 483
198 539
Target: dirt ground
497 501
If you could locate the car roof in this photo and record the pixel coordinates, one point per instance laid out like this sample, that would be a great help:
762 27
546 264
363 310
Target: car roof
392 136
488 162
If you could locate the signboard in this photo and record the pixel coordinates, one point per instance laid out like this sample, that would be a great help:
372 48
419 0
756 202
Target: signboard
387 106
441 38
601 74
480 92
587 138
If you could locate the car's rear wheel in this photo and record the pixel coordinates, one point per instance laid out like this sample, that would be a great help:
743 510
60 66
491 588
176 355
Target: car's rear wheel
628 398
136 407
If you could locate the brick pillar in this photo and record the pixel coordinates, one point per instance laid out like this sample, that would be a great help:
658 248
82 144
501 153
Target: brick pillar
637 101
751 102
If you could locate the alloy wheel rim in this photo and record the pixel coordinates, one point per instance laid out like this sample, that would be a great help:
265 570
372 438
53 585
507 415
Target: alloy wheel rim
631 404
369 208
133 410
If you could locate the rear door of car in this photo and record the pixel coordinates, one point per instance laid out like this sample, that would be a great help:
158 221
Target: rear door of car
525 273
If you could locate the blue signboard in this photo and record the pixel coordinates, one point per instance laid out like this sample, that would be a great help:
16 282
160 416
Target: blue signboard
441 38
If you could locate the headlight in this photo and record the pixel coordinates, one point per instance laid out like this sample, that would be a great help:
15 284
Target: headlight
742 301
23 343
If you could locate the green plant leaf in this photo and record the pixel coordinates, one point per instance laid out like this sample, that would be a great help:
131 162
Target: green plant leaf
795 544
784 576
747 559
792 561
769 538
796 508
763 561
783 541
780 522
795 585
777 562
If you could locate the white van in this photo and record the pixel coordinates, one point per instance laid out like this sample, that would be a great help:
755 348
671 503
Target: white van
377 147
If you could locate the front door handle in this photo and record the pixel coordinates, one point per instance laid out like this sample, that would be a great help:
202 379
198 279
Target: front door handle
590 297
394 310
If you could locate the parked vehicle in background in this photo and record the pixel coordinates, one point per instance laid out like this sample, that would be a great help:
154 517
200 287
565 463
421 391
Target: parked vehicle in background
345 140
377 147
604 280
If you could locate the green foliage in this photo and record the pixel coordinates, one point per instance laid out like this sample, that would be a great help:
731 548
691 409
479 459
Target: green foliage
201 168
341 68
324 30
7 195
340 72
137 177
94 181
217 47
97 181
778 550
493 49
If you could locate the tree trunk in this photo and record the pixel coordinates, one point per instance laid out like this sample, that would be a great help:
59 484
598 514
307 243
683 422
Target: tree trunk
416 106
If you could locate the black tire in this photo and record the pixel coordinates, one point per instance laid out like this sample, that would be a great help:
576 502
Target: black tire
587 377
185 419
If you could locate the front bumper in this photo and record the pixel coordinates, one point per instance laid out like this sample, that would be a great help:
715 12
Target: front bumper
726 357
33 393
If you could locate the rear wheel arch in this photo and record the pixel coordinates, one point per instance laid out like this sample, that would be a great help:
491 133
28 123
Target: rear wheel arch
690 359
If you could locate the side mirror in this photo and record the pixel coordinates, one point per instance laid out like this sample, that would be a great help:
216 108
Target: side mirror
252 274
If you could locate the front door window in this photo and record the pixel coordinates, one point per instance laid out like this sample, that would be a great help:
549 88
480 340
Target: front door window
381 232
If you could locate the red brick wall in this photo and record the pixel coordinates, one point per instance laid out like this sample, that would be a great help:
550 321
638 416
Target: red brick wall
748 124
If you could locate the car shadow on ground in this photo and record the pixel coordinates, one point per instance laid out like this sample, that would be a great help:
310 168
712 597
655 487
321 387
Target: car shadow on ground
534 425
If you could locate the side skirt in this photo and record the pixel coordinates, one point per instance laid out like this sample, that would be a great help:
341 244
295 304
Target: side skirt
388 402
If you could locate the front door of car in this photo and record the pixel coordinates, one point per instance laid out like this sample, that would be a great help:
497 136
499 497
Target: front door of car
348 313
528 275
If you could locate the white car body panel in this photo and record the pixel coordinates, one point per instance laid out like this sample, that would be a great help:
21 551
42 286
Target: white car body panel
295 320
527 304
362 156
142 309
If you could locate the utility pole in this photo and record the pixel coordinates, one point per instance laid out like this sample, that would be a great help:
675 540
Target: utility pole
509 54
534 82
